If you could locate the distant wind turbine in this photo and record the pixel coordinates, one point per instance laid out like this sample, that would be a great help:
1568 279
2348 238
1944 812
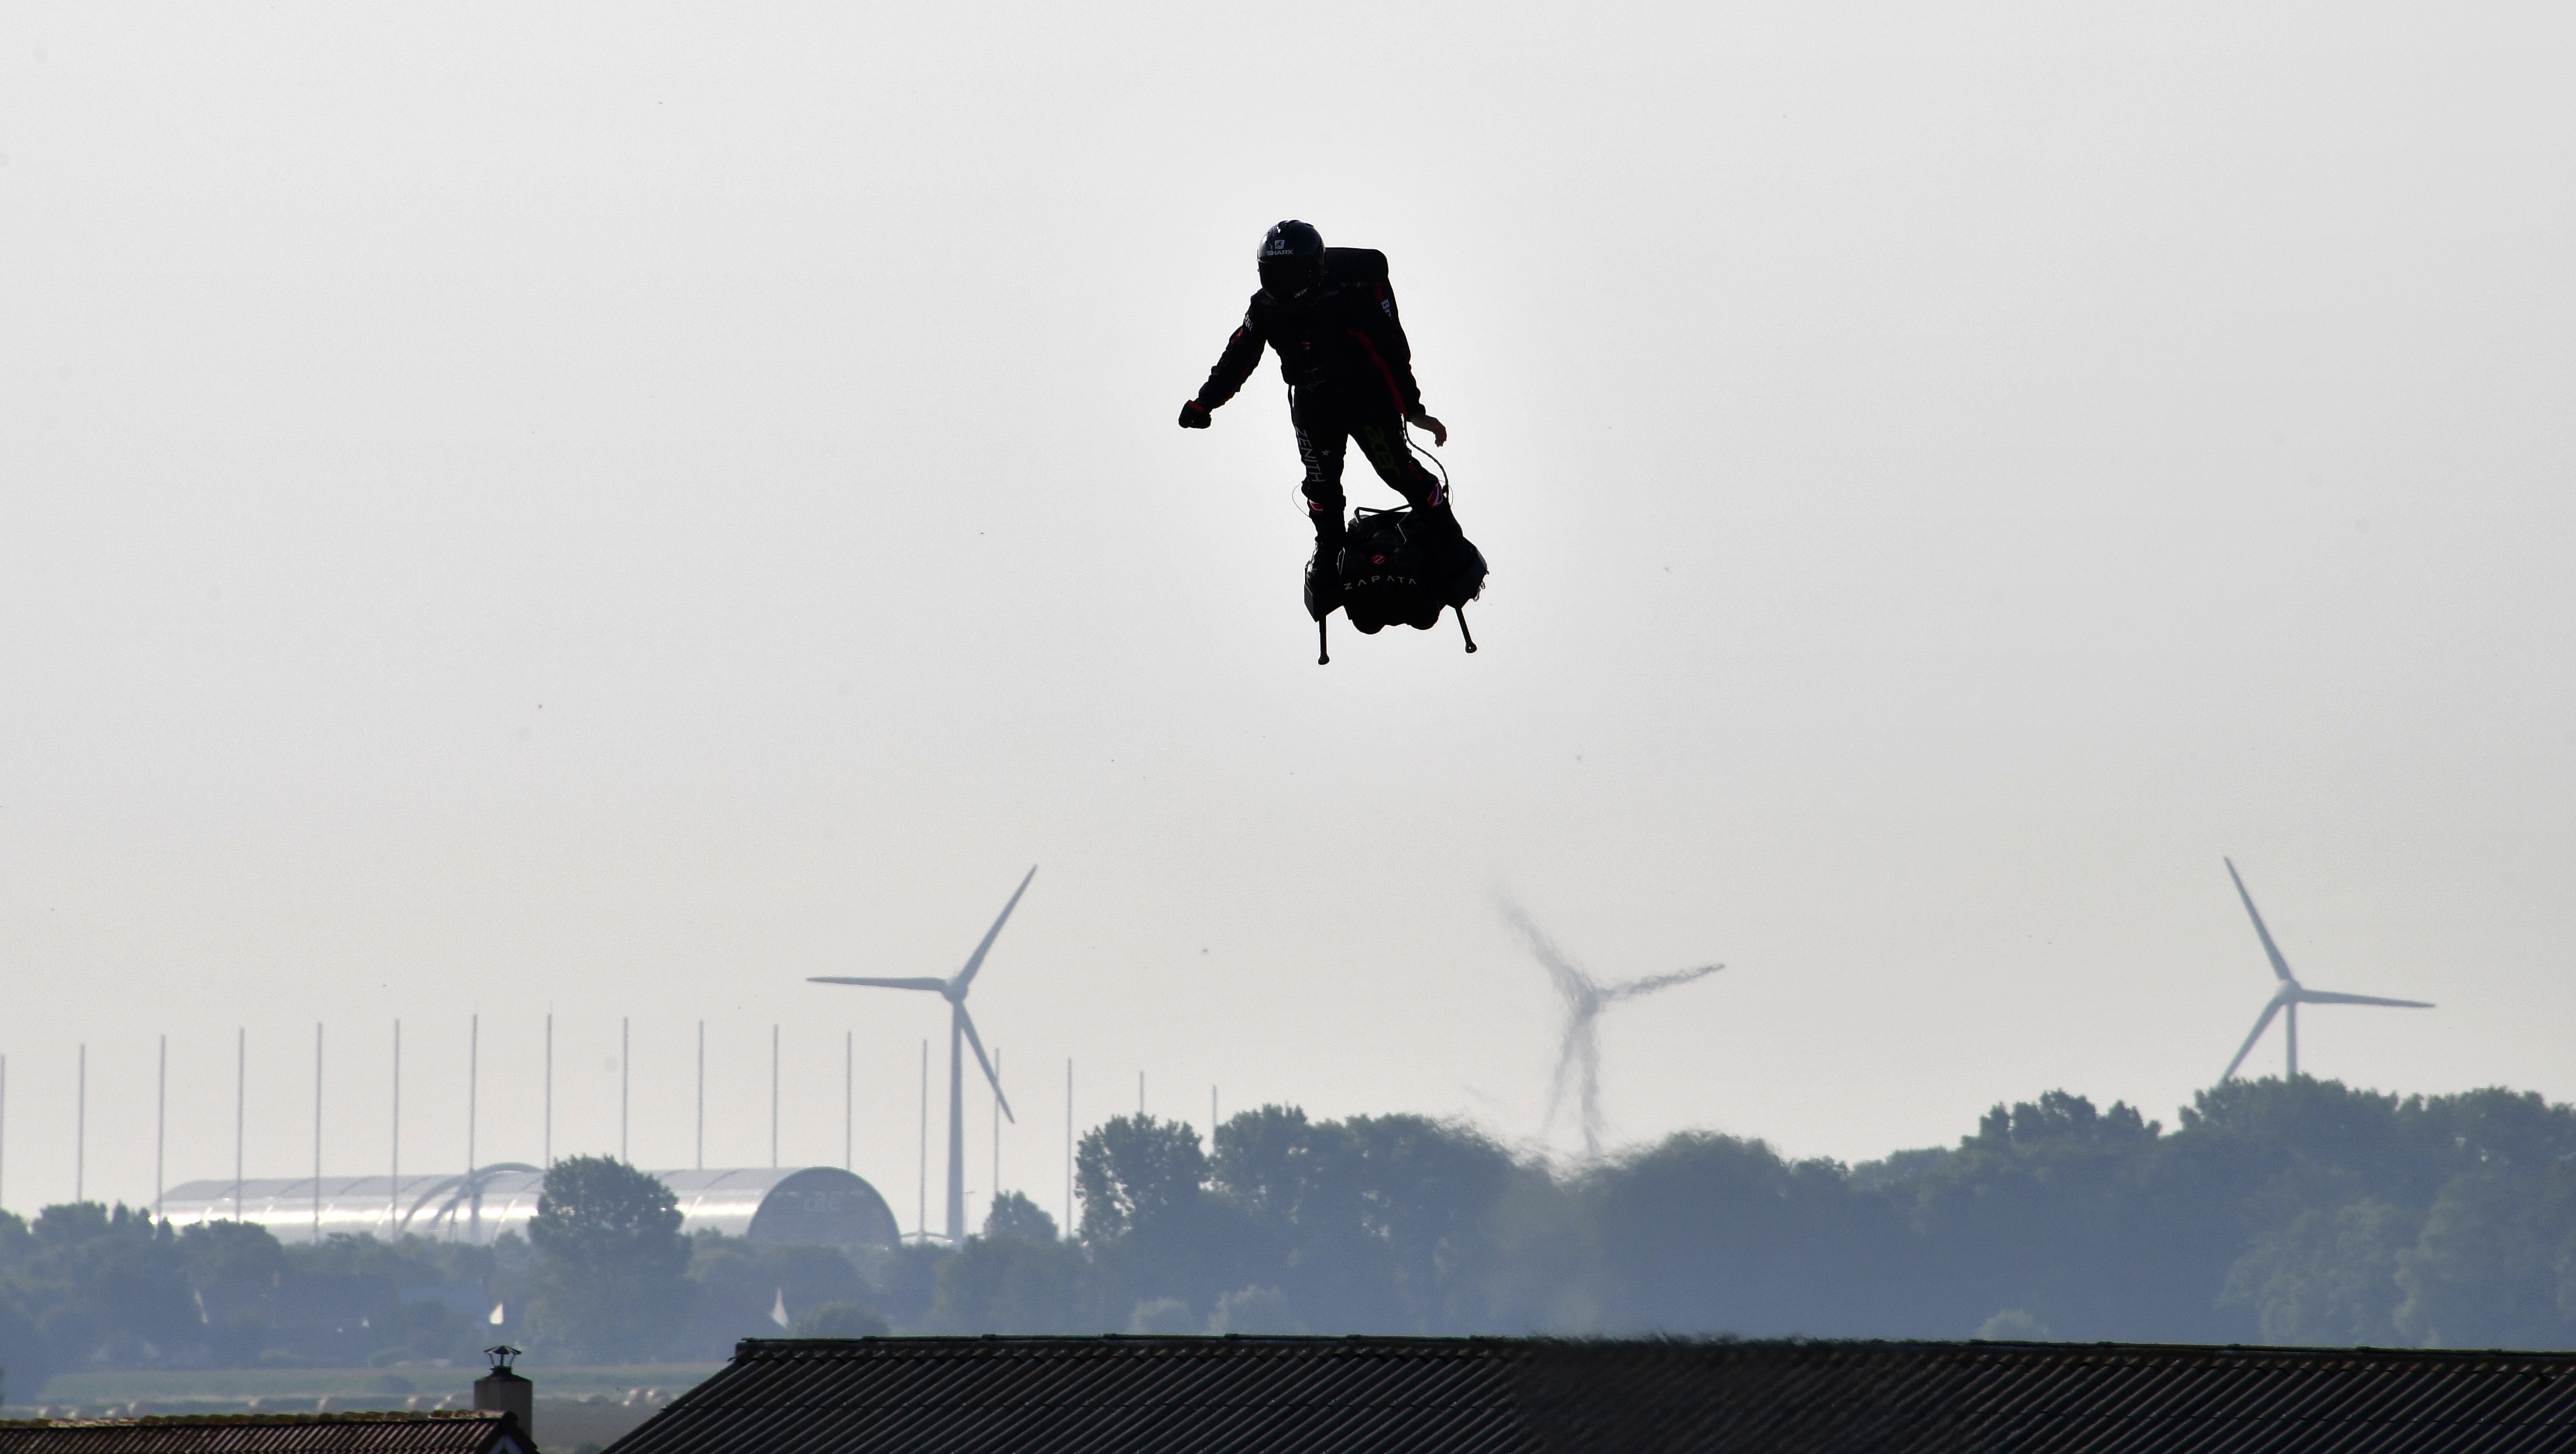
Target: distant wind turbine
1585 999
2291 994
961 1032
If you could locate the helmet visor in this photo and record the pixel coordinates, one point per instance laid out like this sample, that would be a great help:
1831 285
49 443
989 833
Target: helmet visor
1286 277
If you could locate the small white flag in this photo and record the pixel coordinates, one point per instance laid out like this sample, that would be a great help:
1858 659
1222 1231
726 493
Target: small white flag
496 1319
778 1310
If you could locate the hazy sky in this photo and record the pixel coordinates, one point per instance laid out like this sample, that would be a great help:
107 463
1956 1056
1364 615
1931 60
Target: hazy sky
615 509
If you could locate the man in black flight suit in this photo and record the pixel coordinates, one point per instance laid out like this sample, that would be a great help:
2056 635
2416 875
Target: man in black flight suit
1350 377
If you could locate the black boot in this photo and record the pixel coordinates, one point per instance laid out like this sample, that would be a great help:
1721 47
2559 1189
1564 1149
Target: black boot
1324 570
1456 567
1324 576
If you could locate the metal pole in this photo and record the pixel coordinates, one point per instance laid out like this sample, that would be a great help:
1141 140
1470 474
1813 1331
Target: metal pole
994 1192
241 1080
702 1095
2294 1039
160 1126
625 1078
773 1097
549 1145
317 1131
1068 1147
393 1187
921 1211
1140 1095
4 1116
1211 1118
849 1063
80 1132
473 1102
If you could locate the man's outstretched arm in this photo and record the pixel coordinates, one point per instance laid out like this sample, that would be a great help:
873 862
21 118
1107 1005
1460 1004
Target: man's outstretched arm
1381 338
1242 355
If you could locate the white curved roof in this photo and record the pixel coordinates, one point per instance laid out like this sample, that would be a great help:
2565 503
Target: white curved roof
821 1204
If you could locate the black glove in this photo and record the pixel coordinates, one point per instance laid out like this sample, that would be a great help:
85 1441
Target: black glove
1194 415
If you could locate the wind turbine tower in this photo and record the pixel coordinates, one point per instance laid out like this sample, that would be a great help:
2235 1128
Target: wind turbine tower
1579 1055
961 1034
2291 994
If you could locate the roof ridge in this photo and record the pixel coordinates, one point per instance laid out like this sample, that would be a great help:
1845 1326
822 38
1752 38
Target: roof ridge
759 1348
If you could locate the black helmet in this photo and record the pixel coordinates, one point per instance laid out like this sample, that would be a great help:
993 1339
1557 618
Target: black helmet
1292 259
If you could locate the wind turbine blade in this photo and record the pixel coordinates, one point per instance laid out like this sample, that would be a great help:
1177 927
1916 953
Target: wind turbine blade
2280 966
975 961
935 985
2247 1048
2328 997
966 1022
1654 982
1570 981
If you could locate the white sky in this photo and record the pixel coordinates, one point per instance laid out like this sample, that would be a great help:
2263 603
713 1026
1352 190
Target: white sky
619 508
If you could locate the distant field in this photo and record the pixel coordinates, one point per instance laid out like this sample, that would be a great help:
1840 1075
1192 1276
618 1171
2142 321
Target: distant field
574 1405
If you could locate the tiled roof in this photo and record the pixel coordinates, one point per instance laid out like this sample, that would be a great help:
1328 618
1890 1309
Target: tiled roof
354 1433
1533 1396
1932 1398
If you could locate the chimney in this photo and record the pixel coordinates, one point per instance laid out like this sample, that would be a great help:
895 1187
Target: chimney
504 1392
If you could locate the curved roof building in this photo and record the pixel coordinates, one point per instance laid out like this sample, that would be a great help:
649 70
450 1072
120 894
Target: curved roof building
816 1204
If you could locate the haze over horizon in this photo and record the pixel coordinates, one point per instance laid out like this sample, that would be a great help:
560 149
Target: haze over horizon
617 510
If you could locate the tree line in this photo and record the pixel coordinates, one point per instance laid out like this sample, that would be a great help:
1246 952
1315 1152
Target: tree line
2299 1211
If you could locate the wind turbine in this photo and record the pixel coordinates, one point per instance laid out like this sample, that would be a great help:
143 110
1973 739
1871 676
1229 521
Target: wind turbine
1585 999
2291 994
961 1030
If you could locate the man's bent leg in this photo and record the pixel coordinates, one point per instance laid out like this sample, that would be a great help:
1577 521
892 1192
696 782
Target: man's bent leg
1382 441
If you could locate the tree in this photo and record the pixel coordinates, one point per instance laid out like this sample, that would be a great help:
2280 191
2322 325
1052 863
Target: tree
24 1352
2328 1275
1382 1223
1014 1285
1014 1215
1269 1161
230 1255
1133 1171
1706 1233
1152 1226
902 1280
740 1285
2490 1268
107 1286
613 1284
2045 1211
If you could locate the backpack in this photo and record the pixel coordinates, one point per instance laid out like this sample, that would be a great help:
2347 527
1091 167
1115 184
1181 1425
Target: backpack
1362 268
1390 571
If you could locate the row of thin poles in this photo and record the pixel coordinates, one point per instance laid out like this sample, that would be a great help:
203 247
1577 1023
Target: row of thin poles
473 1076
473 1079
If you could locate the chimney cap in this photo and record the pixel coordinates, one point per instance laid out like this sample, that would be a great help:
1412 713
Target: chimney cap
501 1354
